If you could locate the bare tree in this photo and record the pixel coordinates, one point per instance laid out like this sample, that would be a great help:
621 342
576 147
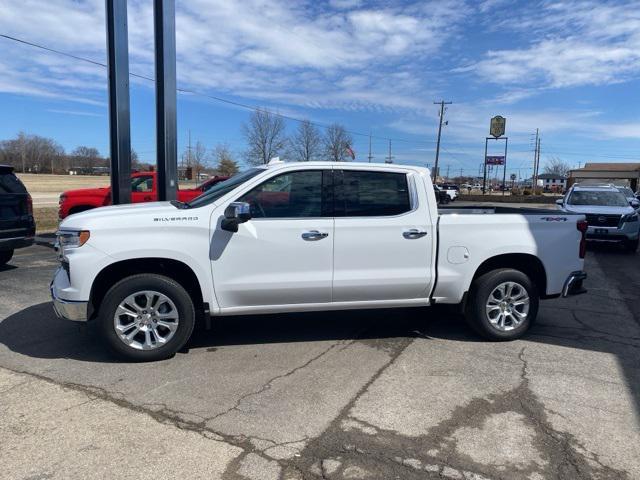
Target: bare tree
85 157
265 136
306 144
557 166
197 158
31 153
135 160
337 143
225 164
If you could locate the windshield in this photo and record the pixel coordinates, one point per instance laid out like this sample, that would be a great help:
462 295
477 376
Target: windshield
626 191
599 198
222 188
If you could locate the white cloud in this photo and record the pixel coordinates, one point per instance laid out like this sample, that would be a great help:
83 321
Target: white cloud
572 43
345 4
78 113
299 52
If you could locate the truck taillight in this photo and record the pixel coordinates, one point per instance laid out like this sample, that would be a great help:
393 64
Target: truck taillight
582 226
29 205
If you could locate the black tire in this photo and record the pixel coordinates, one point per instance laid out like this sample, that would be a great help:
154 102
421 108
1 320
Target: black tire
152 282
5 256
481 289
631 246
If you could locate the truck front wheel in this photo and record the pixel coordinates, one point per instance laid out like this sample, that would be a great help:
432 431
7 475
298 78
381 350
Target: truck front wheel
502 304
146 317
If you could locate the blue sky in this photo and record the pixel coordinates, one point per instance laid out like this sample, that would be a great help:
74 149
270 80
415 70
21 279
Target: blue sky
570 68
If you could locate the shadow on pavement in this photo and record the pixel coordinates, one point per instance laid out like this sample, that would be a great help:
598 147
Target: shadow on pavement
37 332
7 267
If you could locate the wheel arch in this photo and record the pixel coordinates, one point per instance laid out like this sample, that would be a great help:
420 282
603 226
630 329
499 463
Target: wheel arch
171 268
526 263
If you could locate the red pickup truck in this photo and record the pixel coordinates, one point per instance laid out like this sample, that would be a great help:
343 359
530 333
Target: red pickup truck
143 189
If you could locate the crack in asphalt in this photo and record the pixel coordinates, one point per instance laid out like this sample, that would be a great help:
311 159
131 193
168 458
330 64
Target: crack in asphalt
266 386
388 454
164 415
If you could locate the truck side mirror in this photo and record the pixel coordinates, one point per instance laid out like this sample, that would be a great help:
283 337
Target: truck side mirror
235 214
635 203
560 201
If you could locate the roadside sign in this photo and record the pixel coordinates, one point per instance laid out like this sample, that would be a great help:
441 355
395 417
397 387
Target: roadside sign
495 160
497 126
513 176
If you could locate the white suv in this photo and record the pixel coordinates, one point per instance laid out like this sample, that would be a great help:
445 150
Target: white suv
610 215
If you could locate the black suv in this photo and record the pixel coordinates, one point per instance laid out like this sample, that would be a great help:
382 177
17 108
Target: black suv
17 227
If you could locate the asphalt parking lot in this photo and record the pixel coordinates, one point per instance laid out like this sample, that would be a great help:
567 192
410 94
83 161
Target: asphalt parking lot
397 394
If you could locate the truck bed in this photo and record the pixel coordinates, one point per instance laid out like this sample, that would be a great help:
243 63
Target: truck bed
468 235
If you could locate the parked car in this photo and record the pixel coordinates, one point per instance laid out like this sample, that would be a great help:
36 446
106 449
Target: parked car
610 217
143 189
450 190
305 237
630 196
17 227
442 197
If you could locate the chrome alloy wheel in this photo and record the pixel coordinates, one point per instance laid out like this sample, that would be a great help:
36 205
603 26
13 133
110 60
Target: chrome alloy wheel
146 320
507 306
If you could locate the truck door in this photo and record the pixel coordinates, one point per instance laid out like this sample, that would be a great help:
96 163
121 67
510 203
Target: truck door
383 237
283 255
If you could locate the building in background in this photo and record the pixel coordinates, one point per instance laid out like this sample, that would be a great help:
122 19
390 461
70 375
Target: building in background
615 173
553 182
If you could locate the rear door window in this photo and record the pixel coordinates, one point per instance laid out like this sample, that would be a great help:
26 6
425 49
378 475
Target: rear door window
362 193
9 183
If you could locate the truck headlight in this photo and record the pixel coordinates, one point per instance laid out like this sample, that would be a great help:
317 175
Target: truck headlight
631 217
71 238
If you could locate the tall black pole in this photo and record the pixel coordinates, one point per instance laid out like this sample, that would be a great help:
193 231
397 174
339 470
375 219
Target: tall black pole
164 15
484 181
504 172
119 115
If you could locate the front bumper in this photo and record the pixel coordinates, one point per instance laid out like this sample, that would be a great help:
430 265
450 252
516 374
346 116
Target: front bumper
628 232
573 284
15 243
68 309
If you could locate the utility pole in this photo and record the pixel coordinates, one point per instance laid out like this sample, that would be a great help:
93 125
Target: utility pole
189 150
370 156
448 167
389 158
22 154
442 103
535 161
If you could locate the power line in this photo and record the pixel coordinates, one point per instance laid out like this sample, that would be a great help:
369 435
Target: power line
212 97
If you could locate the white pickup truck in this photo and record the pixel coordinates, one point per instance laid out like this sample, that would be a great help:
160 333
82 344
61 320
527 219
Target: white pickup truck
291 237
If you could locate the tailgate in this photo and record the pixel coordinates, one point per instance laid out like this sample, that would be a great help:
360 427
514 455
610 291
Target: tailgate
15 220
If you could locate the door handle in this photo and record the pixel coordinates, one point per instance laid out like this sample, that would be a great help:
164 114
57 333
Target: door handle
313 235
413 233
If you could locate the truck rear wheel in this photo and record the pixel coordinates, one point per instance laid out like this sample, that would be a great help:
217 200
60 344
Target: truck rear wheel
502 304
147 317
